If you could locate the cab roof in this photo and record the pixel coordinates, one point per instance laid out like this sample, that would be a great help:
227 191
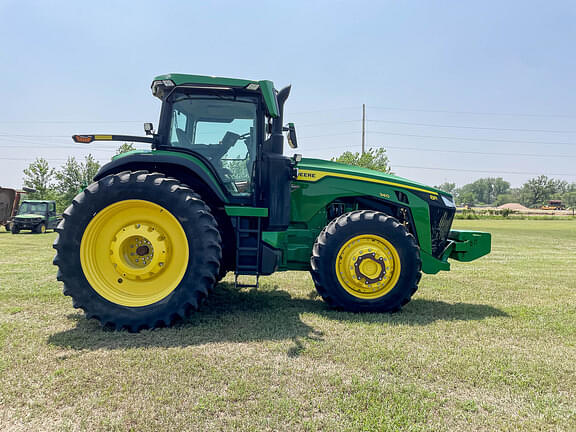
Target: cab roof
265 87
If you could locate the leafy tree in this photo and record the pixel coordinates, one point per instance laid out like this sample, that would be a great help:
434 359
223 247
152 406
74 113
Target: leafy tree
39 176
74 176
538 190
486 190
448 187
69 179
466 198
375 159
569 199
89 169
125 148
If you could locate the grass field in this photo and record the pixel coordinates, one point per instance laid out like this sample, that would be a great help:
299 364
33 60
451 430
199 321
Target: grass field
490 345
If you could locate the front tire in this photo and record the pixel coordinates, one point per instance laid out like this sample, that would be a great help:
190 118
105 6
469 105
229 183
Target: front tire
366 261
40 228
137 250
14 229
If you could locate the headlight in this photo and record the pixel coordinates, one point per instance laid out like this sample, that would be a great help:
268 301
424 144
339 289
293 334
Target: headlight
448 202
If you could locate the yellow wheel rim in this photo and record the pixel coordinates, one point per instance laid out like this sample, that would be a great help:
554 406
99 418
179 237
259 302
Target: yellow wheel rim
368 266
134 253
42 229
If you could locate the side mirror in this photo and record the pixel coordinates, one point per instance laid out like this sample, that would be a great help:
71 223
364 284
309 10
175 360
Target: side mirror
292 141
149 128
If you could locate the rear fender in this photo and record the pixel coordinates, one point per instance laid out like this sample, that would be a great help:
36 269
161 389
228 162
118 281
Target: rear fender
186 168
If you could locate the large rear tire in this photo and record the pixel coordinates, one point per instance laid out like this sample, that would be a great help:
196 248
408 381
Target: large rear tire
366 261
14 229
137 250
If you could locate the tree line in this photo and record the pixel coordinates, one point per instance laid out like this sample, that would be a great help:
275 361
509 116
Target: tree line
64 183
496 191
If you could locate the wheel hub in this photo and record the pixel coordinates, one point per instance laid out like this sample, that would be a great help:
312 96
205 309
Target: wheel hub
138 251
368 266
142 250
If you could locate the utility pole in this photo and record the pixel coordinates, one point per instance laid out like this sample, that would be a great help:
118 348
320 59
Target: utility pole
363 127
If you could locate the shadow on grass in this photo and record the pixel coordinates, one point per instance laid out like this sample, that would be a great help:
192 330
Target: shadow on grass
232 315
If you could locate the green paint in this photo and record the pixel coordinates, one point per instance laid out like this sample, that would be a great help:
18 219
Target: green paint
465 246
276 239
311 198
246 211
269 95
469 245
128 153
339 168
431 265
266 88
308 215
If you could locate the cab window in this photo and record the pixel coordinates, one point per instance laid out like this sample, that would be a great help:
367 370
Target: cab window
223 130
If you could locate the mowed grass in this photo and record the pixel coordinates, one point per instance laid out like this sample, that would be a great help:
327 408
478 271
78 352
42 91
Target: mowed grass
490 345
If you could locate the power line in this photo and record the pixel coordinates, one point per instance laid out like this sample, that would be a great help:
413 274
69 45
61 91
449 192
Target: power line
476 112
49 146
446 138
332 134
468 152
473 127
323 110
328 123
34 136
473 139
485 171
48 159
52 145
69 121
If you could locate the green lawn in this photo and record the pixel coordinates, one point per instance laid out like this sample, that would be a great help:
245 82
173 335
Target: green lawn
490 345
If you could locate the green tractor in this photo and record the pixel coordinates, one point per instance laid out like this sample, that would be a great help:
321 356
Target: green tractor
146 242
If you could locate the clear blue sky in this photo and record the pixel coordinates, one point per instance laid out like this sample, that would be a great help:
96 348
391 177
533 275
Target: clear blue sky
469 68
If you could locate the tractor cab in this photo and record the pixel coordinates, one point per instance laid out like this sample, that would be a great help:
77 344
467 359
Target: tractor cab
222 128
235 127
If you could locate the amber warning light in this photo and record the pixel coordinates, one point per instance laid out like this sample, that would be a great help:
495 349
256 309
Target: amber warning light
83 138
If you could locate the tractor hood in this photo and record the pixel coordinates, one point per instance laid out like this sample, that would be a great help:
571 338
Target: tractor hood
315 169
